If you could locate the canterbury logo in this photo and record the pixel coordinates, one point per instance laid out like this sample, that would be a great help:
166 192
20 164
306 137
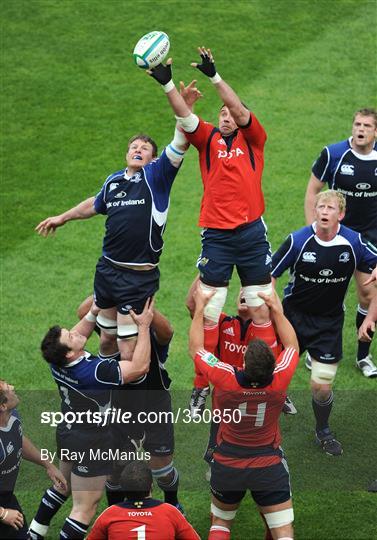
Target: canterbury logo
347 169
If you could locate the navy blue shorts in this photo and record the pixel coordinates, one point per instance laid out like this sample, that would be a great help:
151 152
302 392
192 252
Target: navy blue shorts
123 288
159 435
246 247
320 335
268 485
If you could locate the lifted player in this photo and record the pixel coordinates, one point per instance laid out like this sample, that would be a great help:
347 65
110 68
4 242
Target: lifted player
136 203
231 162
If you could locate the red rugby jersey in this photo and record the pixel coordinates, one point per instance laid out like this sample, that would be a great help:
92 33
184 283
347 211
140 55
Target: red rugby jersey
146 519
232 178
259 408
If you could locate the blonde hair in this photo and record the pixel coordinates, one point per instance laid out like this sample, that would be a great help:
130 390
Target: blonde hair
332 194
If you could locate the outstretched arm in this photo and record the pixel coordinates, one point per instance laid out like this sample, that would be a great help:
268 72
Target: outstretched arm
196 337
31 453
228 96
84 210
87 323
313 188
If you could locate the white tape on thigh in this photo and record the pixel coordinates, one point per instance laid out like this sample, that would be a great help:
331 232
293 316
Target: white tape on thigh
280 518
250 294
127 331
109 326
223 514
213 309
323 373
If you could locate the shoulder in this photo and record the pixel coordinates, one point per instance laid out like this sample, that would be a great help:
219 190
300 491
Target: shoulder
302 235
336 150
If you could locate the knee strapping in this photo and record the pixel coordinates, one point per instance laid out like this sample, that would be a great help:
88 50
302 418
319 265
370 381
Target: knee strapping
323 373
280 518
227 515
250 294
127 331
109 326
213 309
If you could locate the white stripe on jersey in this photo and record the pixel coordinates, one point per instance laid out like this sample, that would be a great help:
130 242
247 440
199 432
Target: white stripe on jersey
286 360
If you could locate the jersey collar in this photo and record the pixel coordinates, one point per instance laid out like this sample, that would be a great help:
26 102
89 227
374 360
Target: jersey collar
85 356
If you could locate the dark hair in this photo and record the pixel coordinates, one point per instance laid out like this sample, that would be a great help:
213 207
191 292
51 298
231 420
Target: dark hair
53 351
259 362
3 397
367 112
145 138
136 480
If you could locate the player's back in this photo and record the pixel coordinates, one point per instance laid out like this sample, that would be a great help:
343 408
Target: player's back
148 518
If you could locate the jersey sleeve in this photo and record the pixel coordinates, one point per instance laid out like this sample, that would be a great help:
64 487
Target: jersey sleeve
218 373
161 350
99 201
160 175
254 132
108 373
283 258
367 259
199 137
321 168
286 365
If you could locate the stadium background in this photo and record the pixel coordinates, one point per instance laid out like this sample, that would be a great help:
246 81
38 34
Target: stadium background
71 98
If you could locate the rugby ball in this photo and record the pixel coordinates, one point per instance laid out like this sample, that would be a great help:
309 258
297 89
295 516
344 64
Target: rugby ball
151 49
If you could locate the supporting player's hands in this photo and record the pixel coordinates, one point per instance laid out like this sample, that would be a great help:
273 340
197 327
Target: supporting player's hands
162 73
94 309
146 316
190 93
202 298
272 301
207 66
56 476
49 225
13 518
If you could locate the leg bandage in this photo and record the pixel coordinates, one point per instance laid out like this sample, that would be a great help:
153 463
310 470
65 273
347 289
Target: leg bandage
127 331
323 373
107 325
227 515
250 294
280 518
213 309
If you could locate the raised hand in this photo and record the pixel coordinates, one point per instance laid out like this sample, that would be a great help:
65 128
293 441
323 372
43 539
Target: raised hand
207 66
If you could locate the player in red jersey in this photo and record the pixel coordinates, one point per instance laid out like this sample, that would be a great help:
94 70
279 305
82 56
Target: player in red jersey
231 161
248 455
140 517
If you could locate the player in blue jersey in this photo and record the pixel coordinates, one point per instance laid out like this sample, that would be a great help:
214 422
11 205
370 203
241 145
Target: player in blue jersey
350 167
150 395
85 384
136 203
14 446
322 258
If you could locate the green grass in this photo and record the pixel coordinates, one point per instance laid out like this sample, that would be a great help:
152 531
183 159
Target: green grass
71 98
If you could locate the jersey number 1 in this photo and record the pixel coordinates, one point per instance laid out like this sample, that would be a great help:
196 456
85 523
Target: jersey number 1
260 414
141 532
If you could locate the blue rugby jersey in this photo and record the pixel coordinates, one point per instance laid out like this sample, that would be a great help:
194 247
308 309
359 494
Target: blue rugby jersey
86 385
10 453
320 271
136 210
354 175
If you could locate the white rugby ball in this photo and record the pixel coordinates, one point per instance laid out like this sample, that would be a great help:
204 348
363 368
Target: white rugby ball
151 49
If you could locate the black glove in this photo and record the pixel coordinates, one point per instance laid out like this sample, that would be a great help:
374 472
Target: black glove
161 73
207 66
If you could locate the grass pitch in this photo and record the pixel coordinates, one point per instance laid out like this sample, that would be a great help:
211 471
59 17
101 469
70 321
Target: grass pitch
71 98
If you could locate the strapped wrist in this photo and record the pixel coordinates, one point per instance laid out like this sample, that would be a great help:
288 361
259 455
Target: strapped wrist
215 79
168 86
